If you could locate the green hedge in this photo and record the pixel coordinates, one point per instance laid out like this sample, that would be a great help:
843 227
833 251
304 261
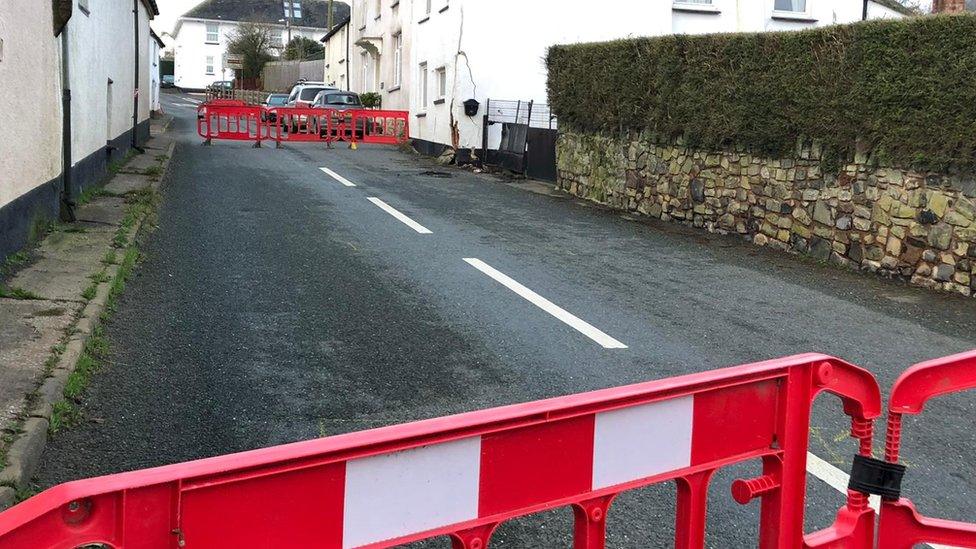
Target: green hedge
904 89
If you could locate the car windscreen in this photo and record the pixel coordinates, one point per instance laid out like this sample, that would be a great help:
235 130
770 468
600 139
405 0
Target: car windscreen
309 94
277 99
341 99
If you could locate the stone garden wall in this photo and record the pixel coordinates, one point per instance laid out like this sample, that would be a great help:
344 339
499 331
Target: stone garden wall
911 224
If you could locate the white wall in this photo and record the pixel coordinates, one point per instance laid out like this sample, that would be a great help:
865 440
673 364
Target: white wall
335 59
154 52
192 50
101 49
759 15
31 55
380 32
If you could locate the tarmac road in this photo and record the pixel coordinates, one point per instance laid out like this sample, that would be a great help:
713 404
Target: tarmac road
275 303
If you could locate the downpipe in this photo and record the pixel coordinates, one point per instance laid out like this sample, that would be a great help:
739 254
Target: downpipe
67 202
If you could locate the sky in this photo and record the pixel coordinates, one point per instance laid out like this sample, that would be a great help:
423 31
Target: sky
169 11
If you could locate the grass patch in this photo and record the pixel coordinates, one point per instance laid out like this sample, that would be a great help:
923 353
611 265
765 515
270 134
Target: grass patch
90 194
17 293
141 203
114 167
67 412
99 277
90 292
109 258
153 171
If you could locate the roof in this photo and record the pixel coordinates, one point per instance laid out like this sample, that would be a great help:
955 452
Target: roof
314 12
338 27
157 39
151 7
896 6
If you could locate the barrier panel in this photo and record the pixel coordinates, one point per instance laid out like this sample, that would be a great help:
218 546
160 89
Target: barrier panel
305 124
231 119
900 525
388 127
463 475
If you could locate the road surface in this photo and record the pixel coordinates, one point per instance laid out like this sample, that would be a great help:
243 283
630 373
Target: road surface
289 294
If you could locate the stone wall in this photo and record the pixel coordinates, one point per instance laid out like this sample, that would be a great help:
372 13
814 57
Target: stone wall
896 222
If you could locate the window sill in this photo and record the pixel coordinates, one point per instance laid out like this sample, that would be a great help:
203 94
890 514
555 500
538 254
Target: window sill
362 28
424 20
84 10
212 43
393 89
439 101
696 8
442 10
420 114
395 4
341 61
793 16
377 18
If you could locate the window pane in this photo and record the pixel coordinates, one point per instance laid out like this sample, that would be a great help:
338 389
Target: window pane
791 5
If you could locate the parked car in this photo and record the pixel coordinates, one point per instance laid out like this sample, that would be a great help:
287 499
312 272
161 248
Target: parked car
273 100
167 81
339 101
303 95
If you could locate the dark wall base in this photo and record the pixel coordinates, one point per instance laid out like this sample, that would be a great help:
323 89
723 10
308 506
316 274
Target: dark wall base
428 148
20 219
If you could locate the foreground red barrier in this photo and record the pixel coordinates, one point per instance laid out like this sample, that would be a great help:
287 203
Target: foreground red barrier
901 526
463 475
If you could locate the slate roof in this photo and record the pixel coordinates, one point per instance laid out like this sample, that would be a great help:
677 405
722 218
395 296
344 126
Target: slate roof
314 12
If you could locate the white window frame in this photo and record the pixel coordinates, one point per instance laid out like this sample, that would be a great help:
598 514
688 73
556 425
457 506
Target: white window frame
215 33
704 6
440 80
790 14
397 60
210 65
423 88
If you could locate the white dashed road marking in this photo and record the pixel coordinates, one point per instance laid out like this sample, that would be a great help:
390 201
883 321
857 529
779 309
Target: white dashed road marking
399 216
578 324
337 177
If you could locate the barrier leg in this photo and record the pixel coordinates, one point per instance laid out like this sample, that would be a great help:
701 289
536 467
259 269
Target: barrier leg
475 538
690 513
590 523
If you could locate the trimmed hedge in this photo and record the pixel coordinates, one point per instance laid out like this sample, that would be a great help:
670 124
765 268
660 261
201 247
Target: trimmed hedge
905 90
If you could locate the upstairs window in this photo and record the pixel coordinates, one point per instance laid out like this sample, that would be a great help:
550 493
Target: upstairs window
293 9
794 6
397 60
213 33
441 82
210 64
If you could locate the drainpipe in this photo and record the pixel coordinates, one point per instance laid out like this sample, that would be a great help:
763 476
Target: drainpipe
67 209
135 91
864 14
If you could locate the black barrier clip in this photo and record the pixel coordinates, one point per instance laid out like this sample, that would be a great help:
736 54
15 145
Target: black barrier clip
876 477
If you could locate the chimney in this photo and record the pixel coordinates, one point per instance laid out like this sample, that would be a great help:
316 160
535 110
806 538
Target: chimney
948 6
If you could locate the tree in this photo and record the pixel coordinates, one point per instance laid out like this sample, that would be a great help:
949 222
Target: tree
253 43
301 48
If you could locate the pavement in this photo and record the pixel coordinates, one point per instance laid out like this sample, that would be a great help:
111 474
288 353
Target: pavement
277 303
58 288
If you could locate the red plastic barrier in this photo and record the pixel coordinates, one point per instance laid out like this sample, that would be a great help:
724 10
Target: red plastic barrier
231 119
305 124
387 127
900 525
463 475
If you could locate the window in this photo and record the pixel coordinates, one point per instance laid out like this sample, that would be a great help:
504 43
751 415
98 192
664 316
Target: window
422 81
362 16
213 33
210 64
798 6
441 82
397 60
427 10
293 9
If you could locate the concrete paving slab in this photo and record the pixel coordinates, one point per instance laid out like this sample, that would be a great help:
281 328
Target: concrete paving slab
124 183
107 211
28 331
140 163
64 266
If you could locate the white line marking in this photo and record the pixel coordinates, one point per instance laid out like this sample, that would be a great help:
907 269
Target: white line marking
581 326
402 218
838 480
338 177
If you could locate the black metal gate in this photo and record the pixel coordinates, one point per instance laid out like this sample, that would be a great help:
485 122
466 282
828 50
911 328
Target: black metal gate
525 133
